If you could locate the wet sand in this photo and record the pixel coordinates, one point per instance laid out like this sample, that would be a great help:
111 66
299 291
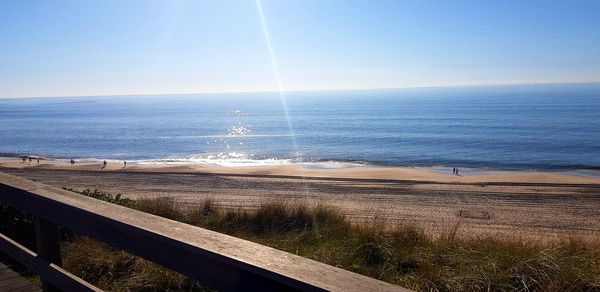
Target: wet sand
368 172
519 204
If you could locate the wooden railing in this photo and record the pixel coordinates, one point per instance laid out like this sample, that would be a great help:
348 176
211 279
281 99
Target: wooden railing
221 261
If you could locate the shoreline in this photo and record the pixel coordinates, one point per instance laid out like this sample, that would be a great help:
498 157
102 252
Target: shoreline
366 172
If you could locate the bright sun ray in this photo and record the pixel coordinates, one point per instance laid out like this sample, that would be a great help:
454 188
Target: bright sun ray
277 76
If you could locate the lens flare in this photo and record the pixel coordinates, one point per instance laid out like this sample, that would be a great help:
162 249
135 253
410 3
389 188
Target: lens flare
280 90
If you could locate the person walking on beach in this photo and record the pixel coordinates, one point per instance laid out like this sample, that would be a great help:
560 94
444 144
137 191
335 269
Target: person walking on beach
453 170
24 159
104 164
124 164
29 158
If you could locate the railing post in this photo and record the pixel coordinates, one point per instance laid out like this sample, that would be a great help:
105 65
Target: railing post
48 246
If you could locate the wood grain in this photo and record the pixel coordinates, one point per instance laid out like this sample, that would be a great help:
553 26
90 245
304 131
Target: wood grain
222 261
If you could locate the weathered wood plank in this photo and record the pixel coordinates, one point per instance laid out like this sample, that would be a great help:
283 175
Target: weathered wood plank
28 288
48 246
46 270
9 276
15 282
12 281
226 262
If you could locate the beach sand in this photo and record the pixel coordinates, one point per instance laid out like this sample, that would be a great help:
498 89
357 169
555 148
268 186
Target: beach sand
518 204
368 172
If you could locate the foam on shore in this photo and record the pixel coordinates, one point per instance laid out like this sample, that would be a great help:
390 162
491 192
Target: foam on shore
335 170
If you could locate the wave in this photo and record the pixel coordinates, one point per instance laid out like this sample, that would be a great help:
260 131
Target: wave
217 161
230 136
21 155
242 159
239 159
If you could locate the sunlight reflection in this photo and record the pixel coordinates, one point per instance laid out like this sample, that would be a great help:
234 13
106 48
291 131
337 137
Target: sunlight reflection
277 76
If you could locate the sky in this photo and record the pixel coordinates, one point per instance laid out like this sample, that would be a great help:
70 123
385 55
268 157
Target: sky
115 47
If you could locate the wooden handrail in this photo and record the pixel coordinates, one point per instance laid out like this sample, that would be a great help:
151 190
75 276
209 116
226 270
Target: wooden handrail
221 261
50 272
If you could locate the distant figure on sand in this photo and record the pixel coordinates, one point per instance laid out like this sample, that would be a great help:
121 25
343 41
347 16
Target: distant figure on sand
72 161
24 159
104 164
124 164
453 170
29 158
38 161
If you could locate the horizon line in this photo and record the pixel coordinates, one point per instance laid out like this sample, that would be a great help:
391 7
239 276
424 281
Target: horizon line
309 90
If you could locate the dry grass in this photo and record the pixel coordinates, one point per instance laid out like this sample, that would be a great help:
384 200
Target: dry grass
405 254
162 206
115 270
400 254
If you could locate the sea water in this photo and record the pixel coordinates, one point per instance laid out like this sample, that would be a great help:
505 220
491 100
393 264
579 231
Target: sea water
533 127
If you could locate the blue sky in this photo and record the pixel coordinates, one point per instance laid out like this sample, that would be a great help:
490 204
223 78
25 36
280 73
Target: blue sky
63 48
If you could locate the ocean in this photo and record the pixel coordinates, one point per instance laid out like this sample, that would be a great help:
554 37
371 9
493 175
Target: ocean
526 127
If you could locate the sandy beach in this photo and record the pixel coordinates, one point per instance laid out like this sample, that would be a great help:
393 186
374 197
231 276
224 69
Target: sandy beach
367 172
520 204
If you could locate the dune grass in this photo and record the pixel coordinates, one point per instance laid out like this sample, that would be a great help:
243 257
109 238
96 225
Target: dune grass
114 270
400 254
